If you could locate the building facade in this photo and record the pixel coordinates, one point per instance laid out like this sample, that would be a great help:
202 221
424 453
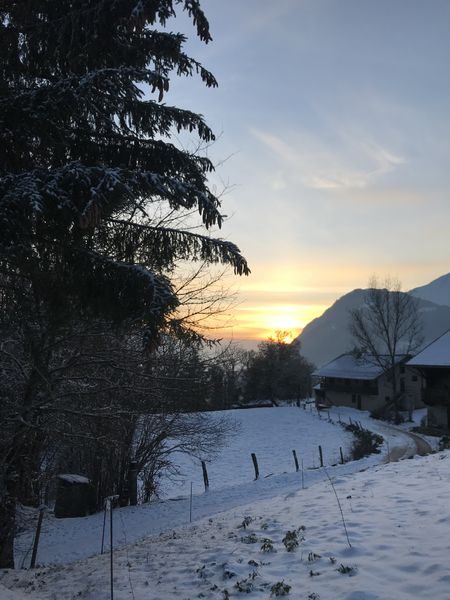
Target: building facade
363 384
433 364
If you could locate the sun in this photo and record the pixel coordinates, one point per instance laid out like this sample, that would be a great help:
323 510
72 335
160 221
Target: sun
285 321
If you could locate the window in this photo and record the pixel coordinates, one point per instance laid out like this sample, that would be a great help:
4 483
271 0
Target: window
414 378
402 369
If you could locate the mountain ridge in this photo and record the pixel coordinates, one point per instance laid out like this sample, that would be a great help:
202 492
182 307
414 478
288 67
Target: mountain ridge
328 336
437 291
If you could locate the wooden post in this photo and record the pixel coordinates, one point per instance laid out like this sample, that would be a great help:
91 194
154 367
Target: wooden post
111 540
205 476
303 477
255 465
295 460
388 451
321 456
190 506
109 504
36 537
342 456
132 482
104 526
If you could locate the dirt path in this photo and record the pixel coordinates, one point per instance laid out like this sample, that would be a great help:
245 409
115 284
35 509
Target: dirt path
406 449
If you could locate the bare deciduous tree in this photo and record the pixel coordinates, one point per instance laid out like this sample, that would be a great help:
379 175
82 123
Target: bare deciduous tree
387 326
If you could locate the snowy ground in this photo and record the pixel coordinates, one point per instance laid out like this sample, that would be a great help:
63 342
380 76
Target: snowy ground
397 529
270 433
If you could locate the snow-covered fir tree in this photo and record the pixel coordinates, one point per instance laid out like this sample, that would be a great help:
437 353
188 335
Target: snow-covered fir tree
86 159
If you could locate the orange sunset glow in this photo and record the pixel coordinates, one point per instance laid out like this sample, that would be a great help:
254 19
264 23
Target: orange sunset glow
262 322
289 297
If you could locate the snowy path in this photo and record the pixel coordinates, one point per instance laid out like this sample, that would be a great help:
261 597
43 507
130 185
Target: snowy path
421 448
399 443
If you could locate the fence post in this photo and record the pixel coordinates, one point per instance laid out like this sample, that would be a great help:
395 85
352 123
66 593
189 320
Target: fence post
321 456
255 465
105 505
295 460
36 537
205 476
109 504
111 540
303 477
342 456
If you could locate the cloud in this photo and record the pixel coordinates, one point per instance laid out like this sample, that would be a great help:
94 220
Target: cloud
394 197
349 162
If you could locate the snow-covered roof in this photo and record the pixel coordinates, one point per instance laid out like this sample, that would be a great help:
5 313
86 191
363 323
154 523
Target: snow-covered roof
436 354
347 366
72 478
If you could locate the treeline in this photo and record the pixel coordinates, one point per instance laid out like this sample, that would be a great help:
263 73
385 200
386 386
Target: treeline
275 372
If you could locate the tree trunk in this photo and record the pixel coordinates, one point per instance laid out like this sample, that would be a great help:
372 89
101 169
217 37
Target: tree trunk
7 525
22 454
394 392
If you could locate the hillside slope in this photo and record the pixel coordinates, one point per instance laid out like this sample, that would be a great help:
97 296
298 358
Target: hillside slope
378 533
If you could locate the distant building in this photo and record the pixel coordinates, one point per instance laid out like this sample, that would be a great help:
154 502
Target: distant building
363 384
433 363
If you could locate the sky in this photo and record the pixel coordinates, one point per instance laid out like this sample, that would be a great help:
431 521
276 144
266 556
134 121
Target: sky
333 147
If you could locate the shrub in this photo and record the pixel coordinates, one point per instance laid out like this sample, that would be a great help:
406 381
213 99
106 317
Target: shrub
280 589
267 545
291 540
246 522
366 441
345 570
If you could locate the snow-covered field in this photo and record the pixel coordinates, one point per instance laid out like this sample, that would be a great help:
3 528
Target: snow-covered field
271 434
398 530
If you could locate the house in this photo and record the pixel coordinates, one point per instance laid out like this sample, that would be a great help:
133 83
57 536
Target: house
361 383
433 363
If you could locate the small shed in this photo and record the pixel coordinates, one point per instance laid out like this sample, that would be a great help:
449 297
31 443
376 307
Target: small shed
75 496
